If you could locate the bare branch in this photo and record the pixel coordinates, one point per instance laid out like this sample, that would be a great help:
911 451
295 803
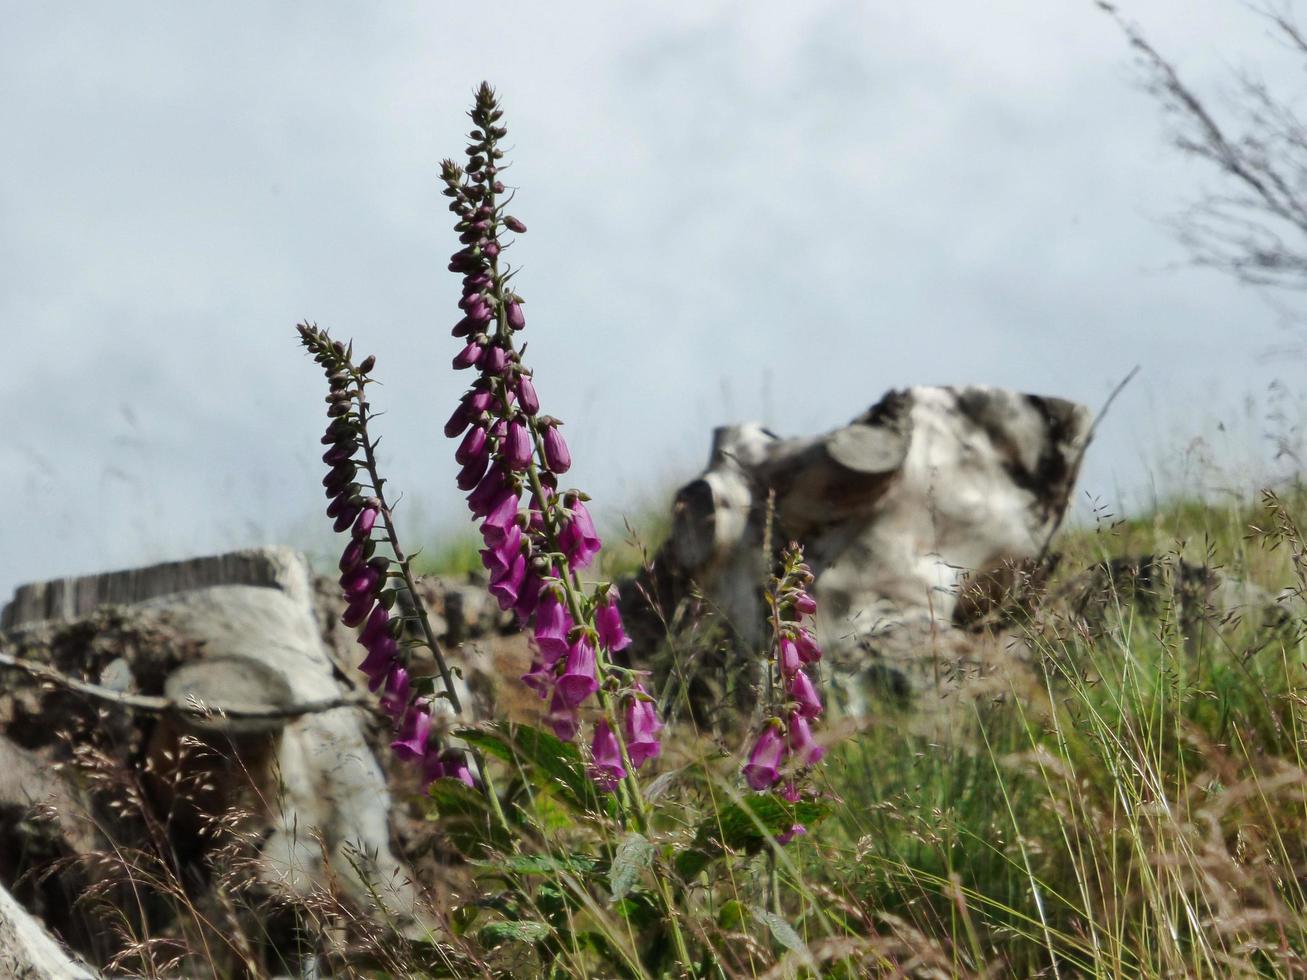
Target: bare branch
150 704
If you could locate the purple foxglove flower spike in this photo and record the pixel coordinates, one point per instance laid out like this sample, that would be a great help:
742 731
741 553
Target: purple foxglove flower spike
606 754
765 760
578 680
557 456
517 451
411 744
608 622
805 695
642 728
801 743
563 718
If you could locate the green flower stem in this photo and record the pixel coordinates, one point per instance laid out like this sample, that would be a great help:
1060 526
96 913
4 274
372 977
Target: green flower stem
405 566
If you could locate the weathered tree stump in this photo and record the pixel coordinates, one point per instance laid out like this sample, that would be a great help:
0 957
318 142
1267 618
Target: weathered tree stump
927 492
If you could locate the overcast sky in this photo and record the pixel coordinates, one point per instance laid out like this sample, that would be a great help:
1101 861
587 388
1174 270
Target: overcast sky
770 210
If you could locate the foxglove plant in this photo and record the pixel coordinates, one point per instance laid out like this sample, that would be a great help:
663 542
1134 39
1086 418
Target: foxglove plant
784 749
370 582
537 536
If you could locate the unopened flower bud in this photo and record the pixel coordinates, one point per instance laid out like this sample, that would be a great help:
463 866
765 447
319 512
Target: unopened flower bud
557 456
512 224
516 319
526 395
517 445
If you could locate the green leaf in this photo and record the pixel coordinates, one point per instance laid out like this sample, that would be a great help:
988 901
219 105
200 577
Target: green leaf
745 826
633 855
783 933
731 915
540 755
514 931
465 816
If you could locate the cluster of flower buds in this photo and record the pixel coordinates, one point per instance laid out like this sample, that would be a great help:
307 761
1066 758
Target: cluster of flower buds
537 537
785 742
364 574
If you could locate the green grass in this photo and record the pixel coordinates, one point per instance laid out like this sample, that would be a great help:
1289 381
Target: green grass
1147 816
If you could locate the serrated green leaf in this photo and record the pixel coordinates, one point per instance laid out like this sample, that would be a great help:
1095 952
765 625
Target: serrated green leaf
514 931
465 816
633 855
783 932
745 826
541 756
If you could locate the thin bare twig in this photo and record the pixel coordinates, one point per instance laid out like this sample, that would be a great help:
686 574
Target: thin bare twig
151 704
